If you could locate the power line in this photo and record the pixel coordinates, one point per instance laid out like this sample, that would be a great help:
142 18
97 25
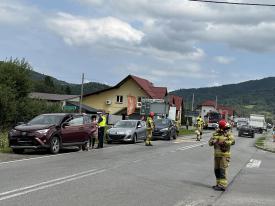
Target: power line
234 3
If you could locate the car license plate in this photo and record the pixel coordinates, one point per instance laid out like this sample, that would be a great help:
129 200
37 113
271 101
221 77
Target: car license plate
245 133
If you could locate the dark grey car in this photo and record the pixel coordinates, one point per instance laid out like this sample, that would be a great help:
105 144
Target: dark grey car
127 131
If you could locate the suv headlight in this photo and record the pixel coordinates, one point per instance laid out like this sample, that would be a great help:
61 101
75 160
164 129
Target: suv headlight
42 131
164 130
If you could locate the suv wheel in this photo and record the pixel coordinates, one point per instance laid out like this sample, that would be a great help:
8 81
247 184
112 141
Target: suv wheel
18 151
54 145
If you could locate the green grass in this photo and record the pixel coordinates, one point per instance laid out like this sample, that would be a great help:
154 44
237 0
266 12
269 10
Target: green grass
186 132
4 143
260 141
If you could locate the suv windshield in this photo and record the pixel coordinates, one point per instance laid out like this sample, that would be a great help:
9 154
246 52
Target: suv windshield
46 119
125 124
162 122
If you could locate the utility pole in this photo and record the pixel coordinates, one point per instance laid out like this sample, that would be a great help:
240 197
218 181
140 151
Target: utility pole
81 95
193 99
216 106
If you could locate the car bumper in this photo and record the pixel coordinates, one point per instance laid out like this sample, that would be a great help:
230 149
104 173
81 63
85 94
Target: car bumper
27 143
29 147
120 138
161 135
246 133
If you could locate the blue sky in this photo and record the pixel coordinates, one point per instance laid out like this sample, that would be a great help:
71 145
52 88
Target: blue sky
173 43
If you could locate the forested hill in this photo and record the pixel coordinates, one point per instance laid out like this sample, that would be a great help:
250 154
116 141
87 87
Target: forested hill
255 96
48 84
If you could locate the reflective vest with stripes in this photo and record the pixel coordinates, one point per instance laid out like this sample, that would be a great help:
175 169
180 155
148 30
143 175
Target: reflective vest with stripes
222 142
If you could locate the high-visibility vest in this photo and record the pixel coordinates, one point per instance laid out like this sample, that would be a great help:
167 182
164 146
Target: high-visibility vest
103 122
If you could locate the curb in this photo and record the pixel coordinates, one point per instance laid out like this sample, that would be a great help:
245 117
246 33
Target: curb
262 147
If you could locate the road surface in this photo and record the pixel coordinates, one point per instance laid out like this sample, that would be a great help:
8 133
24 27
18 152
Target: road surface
171 173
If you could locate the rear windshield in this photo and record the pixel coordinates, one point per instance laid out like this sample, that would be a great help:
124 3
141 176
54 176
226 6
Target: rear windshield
46 119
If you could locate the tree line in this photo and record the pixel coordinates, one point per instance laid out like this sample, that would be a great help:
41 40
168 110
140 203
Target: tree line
15 86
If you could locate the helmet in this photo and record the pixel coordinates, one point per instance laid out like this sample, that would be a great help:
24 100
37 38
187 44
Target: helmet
224 124
151 114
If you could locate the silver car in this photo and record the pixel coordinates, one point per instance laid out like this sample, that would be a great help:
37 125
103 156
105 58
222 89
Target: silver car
127 131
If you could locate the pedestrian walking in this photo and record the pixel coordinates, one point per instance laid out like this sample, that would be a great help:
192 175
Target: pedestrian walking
102 121
150 127
222 140
94 132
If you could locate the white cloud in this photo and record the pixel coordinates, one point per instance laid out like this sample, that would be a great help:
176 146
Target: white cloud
224 60
82 31
13 12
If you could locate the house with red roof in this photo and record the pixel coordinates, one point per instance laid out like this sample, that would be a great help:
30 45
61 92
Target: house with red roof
178 104
125 97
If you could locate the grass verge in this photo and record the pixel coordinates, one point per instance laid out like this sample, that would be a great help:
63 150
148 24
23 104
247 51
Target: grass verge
186 132
260 144
4 143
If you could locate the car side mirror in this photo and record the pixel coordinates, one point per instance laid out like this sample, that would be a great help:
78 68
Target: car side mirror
65 124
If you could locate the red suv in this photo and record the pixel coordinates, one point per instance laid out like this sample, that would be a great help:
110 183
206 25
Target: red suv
51 131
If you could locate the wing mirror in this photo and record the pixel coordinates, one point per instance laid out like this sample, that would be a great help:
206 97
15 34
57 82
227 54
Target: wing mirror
65 124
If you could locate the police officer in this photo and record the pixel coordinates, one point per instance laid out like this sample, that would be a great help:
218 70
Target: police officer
222 140
101 129
150 127
200 123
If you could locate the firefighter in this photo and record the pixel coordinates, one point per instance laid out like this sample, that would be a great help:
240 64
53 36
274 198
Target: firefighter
199 125
150 127
222 140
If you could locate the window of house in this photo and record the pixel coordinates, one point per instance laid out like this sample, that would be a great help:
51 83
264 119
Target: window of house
139 99
119 99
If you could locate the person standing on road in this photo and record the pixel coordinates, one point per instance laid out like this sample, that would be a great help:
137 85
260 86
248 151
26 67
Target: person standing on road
101 129
94 132
150 127
200 123
222 140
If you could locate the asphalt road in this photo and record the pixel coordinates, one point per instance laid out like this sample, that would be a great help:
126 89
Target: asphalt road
171 173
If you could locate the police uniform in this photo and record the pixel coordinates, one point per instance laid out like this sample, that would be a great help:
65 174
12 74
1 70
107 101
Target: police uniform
101 131
150 127
222 141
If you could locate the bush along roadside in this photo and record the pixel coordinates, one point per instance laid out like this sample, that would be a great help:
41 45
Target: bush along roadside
265 143
4 143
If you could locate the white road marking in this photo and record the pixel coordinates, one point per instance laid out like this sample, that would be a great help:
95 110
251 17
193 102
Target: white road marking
136 161
34 158
47 184
254 163
184 203
49 156
191 146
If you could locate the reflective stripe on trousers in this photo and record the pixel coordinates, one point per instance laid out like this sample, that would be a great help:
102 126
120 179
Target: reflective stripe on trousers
221 166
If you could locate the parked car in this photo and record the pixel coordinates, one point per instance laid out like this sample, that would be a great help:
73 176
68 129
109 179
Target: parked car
246 130
164 129
127 131
51 131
